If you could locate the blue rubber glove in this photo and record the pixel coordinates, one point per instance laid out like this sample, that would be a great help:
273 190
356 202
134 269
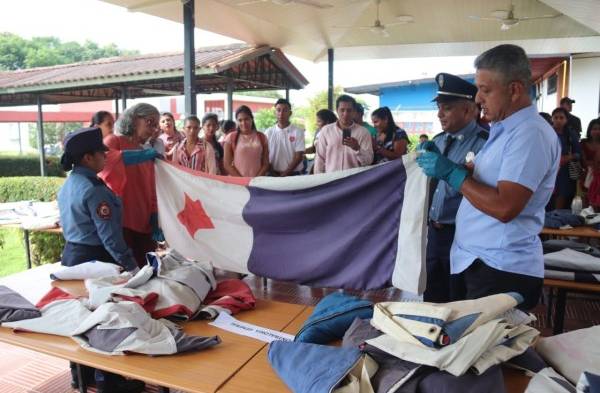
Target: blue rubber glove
157 233
428 146
436 165
131 157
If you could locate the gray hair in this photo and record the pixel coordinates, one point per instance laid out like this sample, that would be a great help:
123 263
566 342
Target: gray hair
126 123
510 61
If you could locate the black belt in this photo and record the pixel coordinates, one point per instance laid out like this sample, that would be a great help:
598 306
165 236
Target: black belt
440 225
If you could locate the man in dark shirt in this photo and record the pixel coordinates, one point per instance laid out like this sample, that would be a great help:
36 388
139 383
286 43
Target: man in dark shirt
573 121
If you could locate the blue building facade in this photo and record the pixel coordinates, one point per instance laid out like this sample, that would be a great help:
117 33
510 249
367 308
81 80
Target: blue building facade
410 102
415 96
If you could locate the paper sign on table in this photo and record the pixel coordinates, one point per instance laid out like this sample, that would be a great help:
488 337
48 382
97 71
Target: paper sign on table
227 322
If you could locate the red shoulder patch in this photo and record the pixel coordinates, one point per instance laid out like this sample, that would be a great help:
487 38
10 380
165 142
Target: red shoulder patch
103 210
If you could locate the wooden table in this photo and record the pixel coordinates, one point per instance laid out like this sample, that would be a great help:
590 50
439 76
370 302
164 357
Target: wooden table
238 365
563 287
257 376
203 371
583 232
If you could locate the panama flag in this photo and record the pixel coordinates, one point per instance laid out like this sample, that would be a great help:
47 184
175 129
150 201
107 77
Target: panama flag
362 228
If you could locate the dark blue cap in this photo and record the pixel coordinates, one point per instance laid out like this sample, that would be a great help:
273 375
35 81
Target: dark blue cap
452 87
79 142
84 140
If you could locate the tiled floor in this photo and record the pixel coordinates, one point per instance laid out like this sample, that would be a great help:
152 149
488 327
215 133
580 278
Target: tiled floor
24 371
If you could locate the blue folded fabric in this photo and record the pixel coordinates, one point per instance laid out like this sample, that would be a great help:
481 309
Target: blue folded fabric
311 368
561 217
332 316
589 383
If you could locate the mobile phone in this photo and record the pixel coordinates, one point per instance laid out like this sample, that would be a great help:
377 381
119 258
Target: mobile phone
346 133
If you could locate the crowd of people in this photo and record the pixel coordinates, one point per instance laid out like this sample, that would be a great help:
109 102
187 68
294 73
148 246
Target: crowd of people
579 171
490 183
241 150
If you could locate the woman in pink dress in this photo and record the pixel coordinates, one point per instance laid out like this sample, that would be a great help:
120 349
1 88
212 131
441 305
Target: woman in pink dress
169 134
246 150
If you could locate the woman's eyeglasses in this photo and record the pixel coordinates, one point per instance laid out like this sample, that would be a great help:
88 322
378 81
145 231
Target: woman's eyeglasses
151 122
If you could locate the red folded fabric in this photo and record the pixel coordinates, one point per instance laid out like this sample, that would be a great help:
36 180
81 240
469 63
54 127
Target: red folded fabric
234 295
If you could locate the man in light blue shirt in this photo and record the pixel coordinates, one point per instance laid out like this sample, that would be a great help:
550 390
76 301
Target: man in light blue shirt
462 137
496 247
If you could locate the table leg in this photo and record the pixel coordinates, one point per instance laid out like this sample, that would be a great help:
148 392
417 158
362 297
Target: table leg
559 312
81 380
162 389
27 247
264 282
549 302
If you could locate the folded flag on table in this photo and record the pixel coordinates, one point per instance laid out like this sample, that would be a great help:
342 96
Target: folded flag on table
361 228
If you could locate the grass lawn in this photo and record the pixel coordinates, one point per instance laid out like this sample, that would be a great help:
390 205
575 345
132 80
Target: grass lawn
12 254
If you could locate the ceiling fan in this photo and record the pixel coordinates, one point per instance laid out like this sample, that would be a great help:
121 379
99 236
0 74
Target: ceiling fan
378 27
507 17
310 3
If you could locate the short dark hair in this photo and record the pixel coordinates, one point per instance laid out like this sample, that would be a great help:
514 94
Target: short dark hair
228 125
546 117
424 136
561 109
283 101
359 108
99 117
345 98
192 118
327 116
593 123
210 116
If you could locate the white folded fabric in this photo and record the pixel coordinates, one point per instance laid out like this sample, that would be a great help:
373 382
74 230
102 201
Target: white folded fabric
142 333
571 259
31 215
426 324
549 381
61 317
572 353
92 269
489 344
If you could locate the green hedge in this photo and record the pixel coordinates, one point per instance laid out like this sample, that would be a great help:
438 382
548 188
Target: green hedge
28 165
45 247
22 188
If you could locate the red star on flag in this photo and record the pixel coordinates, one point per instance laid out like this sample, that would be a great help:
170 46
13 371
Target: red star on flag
193 217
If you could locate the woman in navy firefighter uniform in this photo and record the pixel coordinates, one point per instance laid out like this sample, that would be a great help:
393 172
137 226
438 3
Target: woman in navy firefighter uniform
90 215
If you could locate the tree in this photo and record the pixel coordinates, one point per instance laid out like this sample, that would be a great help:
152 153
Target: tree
13 51
18 53
54 133
265 118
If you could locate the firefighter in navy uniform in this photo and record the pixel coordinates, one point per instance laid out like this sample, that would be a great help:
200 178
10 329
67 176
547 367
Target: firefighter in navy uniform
461 137
90 216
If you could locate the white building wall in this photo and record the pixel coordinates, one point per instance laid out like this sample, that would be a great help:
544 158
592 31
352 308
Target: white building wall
585 88
14 138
